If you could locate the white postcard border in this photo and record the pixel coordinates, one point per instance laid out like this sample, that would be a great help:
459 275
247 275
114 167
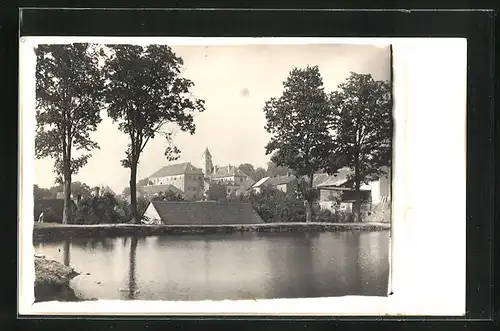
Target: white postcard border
428 255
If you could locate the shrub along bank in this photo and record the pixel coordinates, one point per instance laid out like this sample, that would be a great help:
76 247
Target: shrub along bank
272 205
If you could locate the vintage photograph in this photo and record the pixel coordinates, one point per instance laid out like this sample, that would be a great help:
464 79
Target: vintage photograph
212 172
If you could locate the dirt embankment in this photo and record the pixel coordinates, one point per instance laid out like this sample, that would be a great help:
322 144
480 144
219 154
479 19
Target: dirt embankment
52 281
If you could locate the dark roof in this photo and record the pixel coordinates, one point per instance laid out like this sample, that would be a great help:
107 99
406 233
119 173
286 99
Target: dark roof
228 171
339 179
153 189
280 180
177 169
206 213
55 205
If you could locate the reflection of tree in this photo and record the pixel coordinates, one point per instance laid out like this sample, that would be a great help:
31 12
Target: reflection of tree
66 251
291 266
106 244
358 277
132 286
206 260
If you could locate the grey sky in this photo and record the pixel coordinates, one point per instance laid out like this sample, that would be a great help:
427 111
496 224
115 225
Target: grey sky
235 82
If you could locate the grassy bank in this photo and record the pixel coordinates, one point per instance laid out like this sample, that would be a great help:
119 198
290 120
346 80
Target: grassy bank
43 231
52 281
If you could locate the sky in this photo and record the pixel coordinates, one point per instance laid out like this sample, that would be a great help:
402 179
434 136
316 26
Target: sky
235 81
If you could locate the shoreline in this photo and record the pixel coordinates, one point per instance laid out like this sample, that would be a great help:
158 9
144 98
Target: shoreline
64 231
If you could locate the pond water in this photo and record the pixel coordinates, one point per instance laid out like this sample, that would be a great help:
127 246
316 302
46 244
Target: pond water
227 266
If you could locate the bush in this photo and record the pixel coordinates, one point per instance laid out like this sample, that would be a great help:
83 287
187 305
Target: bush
324 215
50 216
167 196
98 210
273 205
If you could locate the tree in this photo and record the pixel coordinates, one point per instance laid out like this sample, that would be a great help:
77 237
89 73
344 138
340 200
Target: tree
68 104
296 121
168 195
145 91
144 182
247 169
79 188
254 173
260 173
275 170
217 191
274 205
41 193
362 121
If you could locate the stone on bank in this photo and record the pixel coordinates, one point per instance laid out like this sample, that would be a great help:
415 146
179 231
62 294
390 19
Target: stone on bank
52 281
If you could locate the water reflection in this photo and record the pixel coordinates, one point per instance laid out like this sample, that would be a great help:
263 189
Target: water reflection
227 266
99 243
66 252
132 285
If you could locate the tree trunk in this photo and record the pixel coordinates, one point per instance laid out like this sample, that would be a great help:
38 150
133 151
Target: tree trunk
66 251
310 199
133 193
67 211
309 211
132 285
357 193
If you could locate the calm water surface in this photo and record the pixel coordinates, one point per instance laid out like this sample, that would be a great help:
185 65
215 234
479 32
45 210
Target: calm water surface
227 266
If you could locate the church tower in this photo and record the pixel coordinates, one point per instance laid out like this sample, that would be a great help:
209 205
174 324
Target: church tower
207 165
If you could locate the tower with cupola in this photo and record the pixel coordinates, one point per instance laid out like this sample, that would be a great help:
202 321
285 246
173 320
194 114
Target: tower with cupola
207 164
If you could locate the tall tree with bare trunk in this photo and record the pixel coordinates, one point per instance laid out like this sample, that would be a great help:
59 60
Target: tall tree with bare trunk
362 125
144 92
68 104
299 132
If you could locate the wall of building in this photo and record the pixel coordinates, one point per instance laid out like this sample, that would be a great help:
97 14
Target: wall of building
328 195
282 187
193 187
381 189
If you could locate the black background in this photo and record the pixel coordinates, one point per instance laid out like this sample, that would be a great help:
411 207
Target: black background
477 26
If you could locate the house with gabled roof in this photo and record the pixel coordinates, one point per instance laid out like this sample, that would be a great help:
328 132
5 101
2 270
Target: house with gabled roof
287 183
339 188
200 213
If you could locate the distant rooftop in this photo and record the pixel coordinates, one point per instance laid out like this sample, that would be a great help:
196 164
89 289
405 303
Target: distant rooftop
228 171
339 179
280 180
185 168
154 189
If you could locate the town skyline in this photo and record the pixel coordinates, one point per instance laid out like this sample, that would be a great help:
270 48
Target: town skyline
235 82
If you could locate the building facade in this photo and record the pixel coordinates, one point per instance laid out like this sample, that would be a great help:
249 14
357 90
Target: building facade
286 184
335 190
183 176
195 182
